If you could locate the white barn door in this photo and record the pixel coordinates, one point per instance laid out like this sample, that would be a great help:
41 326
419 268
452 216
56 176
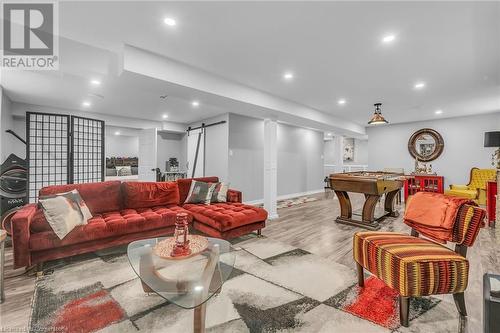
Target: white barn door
147 154
192 141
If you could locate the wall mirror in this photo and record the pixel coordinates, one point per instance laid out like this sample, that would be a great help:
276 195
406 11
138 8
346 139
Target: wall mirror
426 145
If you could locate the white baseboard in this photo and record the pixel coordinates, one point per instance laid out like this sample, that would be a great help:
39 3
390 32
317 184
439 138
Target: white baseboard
285 197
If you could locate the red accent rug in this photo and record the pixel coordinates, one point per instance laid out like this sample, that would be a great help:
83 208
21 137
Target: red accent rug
379 304
84 310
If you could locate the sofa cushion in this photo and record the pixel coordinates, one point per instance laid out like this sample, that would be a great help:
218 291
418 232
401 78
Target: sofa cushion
99 197
185 185
226 216
150 194
110 224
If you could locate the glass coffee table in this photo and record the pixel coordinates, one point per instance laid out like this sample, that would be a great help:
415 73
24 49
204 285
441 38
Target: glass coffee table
188 283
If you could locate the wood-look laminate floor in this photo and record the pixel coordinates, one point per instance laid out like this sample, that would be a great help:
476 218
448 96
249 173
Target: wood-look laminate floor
309 226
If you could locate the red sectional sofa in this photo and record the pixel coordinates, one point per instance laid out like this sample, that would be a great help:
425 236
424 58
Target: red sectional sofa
124 212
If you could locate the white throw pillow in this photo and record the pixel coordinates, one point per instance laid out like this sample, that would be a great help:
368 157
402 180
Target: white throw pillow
124 170
64 212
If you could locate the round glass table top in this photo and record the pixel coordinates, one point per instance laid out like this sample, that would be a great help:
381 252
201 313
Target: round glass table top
187 282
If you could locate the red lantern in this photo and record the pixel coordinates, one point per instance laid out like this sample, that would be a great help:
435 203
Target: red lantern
181 234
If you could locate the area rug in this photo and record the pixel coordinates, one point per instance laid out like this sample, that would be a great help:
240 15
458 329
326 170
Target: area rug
274 287
294 202
378 303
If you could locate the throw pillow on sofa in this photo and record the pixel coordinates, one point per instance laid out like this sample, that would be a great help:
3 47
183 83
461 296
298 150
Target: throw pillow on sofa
64 212
124 170
220 192
200 192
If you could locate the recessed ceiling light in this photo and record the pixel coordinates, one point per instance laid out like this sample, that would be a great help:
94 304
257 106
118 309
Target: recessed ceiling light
438 111
288 76
117 133
95 82
170 21
341 101
419 85
389 38
195 104
165 116
86 104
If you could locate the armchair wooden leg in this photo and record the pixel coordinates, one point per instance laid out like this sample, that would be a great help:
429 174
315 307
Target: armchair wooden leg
259 232
404 310
460 303
361 276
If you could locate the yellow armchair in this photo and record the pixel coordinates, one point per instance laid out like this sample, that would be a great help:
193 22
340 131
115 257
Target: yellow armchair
476 189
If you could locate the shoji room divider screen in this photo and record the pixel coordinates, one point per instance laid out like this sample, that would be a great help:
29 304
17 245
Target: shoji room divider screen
63 149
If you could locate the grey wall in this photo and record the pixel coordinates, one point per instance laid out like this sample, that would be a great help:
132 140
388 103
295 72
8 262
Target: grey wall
463 145
300 166
246 156
171 145
300 163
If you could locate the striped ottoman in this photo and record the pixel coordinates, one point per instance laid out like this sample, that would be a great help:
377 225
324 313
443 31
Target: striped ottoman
413 266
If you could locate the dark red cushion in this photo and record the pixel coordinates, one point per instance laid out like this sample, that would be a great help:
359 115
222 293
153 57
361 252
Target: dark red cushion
185 184
39 223
150 194
110 224
226 216
99 197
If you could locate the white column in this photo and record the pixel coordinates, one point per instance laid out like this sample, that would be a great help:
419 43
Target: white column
339 153
270 167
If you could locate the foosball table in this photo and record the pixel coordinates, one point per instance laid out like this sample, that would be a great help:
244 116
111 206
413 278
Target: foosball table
373 185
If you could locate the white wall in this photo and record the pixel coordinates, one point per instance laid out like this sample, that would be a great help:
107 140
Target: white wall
360 156
171 145
6 123
463 145
360 152
300 166
121 145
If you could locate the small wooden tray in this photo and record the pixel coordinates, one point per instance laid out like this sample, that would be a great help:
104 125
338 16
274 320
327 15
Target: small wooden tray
197 244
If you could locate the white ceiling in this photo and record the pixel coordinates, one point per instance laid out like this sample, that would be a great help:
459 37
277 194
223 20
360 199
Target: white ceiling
333 48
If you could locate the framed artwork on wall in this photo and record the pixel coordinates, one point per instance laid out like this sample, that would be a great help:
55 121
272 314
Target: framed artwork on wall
348 149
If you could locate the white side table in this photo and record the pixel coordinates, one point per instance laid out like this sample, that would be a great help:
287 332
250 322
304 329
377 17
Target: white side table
3 236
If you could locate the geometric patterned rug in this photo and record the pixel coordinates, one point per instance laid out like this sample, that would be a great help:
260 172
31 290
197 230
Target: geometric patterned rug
294 202
286 203
274 287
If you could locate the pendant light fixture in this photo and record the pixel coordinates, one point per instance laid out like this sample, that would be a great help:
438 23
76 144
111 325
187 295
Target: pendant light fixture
377 118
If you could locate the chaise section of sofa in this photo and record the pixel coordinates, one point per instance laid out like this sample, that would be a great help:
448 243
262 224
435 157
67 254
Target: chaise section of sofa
226 219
